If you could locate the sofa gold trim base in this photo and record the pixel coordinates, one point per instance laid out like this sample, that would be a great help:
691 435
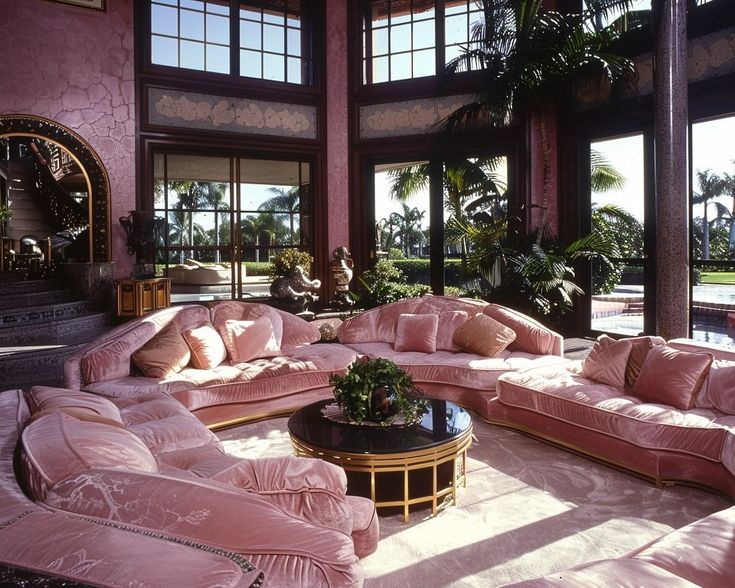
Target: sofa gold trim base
655 480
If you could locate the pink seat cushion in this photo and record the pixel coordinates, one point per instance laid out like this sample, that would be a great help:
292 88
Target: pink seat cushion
416 332
607 361
58 446
247 340
672 377
207 348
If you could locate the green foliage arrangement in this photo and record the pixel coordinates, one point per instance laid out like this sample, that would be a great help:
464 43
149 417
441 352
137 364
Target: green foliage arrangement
355 393
386 283
5 215
286 260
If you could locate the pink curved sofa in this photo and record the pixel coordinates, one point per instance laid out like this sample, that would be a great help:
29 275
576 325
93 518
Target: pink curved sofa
465 378
138 491
665 444
228 393
700 554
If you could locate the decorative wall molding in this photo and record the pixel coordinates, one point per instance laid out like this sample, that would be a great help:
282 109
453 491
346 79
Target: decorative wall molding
409 117
175 108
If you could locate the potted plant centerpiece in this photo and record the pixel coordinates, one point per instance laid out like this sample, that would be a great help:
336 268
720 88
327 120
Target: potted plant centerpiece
378 391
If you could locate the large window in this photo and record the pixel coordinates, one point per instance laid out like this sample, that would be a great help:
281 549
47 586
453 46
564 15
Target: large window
427 214
618 202
713 231
229 216
272 39
398 40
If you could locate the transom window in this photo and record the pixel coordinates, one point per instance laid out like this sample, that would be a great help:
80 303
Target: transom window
271 39
462 16
271 43
191 34
402 39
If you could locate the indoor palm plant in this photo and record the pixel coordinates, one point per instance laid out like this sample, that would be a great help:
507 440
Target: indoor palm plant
378 391
531 59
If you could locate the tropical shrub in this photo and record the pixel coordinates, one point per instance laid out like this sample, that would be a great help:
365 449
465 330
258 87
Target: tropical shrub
287 259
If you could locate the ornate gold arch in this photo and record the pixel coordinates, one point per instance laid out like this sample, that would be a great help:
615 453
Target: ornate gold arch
98 183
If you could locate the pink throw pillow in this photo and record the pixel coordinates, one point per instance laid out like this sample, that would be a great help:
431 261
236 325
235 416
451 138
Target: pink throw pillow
449 322
207 348
718 390
416 332
672 377
607 361
247 340
483 335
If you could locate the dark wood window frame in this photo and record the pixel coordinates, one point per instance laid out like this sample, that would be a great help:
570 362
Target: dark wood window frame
312 68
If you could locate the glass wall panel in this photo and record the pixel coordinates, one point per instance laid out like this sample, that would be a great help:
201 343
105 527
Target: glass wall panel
617 204
475 194
713 231
402 218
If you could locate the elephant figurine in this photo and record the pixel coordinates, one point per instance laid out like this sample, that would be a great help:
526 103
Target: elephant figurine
296 288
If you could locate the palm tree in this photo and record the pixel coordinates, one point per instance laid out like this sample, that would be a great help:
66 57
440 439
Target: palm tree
284 201
409 227
530 58
730 182
711 186
603 175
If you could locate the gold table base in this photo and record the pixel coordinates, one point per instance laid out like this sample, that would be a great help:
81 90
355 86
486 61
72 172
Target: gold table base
454 450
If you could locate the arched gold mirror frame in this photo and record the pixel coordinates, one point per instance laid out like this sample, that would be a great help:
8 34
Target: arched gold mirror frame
95 174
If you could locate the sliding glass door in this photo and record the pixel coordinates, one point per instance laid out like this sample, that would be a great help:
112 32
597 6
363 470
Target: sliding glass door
226 217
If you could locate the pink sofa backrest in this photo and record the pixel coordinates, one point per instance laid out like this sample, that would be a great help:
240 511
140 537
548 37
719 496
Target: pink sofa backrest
531 335
377 324
296 331
108 357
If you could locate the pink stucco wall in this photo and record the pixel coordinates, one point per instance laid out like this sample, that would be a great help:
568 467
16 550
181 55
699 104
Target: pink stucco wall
537 176
75 66
337 125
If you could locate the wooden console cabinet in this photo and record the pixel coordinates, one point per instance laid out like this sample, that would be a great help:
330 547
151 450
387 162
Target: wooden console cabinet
136 297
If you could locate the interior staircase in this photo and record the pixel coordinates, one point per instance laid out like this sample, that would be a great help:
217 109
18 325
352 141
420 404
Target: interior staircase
27 217
41 324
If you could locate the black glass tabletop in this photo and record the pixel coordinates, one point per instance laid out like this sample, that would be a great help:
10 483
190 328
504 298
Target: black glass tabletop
443 422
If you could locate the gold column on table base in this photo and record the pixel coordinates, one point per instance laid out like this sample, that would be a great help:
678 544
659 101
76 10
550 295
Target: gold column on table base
454 450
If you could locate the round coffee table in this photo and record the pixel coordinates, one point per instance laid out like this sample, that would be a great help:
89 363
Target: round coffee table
404 465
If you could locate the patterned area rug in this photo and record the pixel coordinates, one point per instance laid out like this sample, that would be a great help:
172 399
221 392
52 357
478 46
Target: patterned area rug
529 509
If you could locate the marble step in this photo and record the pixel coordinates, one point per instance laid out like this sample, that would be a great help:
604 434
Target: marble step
42 365
11 288
41 298
38 315
74 330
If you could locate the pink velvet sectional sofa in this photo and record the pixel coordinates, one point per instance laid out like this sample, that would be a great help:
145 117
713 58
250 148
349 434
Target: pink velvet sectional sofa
139 492
700 554
448 372
639 422
225 393
298 372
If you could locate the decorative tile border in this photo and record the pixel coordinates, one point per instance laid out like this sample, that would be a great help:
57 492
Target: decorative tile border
174 108
409 117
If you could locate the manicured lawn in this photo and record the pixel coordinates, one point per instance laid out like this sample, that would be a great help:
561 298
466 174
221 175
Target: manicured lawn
718 278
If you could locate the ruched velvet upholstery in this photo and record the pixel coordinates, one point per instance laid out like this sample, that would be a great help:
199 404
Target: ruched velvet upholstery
275 382
166 472
700 554
36 537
